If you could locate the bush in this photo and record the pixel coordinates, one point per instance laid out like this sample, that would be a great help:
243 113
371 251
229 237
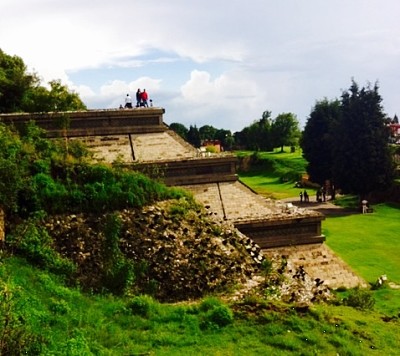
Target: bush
220 316
360 299
76 346
209 303
142 305
33 242
59 307
215 314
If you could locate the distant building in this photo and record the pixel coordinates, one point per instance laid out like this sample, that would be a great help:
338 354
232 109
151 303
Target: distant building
394 133
212 145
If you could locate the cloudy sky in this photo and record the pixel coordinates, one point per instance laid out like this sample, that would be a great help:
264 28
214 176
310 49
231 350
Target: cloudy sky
220 63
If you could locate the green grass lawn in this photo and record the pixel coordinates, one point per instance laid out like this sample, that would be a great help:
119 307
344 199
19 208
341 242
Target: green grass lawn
369 242
275 175
270 187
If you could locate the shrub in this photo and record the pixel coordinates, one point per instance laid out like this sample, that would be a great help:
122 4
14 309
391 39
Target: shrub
220 316
266 267
209 303
215 314
76 346
360 299
33 242
142 305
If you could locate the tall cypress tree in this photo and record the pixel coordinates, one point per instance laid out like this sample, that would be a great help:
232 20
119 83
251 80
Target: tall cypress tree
361 158
317 140
193 136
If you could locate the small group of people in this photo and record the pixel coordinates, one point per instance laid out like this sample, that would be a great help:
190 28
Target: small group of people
304 197
142 99
320 196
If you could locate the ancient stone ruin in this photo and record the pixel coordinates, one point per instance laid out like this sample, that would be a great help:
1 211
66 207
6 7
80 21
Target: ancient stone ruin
142 141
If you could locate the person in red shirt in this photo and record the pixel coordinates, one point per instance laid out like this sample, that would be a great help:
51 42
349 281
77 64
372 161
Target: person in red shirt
144 97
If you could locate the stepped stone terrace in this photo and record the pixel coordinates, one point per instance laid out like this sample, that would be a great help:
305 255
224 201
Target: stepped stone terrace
142 141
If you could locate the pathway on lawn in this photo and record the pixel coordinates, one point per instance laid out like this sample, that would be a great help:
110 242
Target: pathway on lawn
327 208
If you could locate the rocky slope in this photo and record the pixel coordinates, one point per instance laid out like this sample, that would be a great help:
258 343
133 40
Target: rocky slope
177 250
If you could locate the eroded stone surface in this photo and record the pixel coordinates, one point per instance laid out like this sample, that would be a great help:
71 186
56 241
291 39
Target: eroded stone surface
185 257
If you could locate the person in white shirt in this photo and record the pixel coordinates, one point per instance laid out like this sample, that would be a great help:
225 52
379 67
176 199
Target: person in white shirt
128 102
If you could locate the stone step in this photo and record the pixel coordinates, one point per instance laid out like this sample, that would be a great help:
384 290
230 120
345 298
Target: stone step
161 146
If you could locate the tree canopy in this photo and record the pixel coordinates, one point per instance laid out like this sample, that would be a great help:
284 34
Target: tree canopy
193 136
362 160
317 140
346 142
196 136
20 91
285 130
266 133
180 129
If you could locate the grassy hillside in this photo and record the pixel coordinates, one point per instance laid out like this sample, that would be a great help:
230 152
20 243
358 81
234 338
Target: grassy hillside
50 318
272 174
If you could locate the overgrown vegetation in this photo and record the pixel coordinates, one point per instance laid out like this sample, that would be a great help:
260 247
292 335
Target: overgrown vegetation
52 319
37 174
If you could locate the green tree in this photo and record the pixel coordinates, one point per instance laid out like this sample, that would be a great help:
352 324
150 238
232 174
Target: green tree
257 136
14 82
362 161
63 98
180 129
194 136
207 132
58 98
226 139
21 91
240 138
13 168
317 140
285 130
